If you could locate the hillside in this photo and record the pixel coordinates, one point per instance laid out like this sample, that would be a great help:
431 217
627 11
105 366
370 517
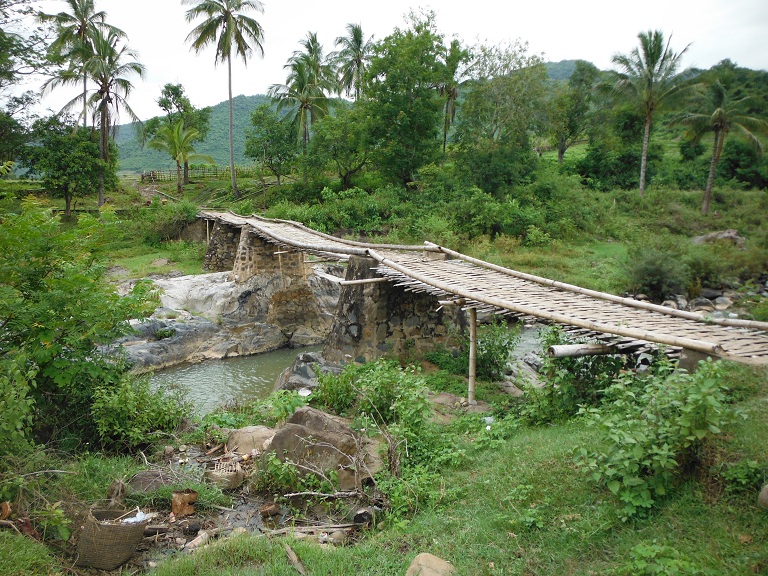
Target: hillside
135 159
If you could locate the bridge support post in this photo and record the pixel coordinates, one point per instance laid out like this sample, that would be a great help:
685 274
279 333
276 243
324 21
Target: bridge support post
380 319
472 355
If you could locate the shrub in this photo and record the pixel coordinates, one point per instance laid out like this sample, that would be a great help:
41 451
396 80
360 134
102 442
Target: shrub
652 430
658 560
656 272
161 222
130 414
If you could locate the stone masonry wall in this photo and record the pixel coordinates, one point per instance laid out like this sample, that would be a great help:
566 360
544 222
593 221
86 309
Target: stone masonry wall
257 256
222 248
381 319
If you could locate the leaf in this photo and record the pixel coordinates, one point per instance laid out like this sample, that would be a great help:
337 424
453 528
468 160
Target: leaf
614 486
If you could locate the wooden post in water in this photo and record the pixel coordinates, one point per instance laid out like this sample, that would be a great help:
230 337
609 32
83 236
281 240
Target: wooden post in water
472 355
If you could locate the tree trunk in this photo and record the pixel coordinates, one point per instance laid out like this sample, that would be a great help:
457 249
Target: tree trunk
717 150
178 178
103 152
186 172
85 100
231 137
644 157
561 152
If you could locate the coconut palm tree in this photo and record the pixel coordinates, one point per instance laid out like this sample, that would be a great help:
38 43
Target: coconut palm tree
305 94
227 26
178 141
352 60
74 30
649 76
722 116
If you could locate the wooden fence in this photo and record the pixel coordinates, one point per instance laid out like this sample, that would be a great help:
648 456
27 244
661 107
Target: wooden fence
212 172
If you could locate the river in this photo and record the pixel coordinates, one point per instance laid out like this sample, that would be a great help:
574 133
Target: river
215 382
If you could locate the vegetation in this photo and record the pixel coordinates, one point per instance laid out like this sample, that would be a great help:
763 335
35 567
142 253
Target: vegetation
604 469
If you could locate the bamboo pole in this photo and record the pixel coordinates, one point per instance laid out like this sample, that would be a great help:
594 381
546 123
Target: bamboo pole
576 350
472 356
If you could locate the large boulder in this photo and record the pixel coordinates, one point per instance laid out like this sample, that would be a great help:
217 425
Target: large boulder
209 316
426 564
303 372
318 442
246 440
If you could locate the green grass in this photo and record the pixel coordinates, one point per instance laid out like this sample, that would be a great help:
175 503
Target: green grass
141 260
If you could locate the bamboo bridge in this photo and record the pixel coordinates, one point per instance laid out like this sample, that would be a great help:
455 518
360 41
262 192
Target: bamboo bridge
450 278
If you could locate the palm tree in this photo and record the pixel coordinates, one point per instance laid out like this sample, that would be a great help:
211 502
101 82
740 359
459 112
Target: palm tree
74 31
649 77
227 26
352 59
720 115
178 142
305 93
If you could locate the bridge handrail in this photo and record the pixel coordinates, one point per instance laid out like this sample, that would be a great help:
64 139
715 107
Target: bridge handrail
752 324
353 243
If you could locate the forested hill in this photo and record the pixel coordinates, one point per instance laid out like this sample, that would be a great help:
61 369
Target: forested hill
133 158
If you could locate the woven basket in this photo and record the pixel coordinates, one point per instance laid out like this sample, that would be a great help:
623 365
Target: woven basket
106 546
226 475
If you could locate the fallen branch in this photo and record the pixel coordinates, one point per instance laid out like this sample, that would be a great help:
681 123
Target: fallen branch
9 524
338 495
295 560
309 529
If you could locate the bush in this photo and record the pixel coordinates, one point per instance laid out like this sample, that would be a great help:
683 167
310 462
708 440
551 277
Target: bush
161 222
657 560
657 272
652 430
129 414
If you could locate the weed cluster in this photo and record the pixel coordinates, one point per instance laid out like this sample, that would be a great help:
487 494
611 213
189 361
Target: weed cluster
652 430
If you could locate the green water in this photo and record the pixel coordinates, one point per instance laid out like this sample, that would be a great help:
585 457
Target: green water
215 382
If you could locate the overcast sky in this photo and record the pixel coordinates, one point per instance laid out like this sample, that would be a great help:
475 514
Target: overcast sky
591 30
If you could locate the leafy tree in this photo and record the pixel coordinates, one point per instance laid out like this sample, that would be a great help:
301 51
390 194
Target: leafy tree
723 116
227 25
56 310
177 107
178 141
649 77
22 50
271 141
75 31
402 104
68 159
352 60
503 105
341 139
570 107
